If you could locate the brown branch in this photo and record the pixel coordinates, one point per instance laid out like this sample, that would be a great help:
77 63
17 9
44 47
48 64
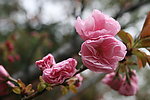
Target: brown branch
35 94
91 81
38 93
132 8
82 68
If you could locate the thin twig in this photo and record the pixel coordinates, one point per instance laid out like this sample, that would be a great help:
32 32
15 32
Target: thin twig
38 93
35 94
132 8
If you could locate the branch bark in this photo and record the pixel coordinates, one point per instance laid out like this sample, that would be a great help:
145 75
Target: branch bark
132 8
85 85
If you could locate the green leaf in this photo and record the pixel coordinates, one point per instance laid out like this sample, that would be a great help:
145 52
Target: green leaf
148 59
21 84
139 61
144 43
41 86
16 90
126 38
28 89
141 57
41 79
48 88
146 28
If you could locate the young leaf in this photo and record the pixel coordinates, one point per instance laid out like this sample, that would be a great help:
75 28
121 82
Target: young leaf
48 88
126 38
148 59
64 90
16 90
72 87
21 84
139 61
41 79
28 89
144 43
146 28
141 56
41 86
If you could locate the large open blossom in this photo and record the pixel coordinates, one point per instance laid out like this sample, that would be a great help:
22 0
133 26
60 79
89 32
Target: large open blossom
102 53
96 25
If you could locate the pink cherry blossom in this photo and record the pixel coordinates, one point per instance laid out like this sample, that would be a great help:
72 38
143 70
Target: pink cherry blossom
102 53
96 25
46 62
112 81
60 71
3 74
9 45
121 84
129 89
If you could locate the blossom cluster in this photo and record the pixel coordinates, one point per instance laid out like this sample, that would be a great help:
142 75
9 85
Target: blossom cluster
101 51
120 83
56 73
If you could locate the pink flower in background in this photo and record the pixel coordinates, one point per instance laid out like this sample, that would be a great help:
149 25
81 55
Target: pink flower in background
5 88
60 71
11 58
96 25
132 88
9 45
79 80
3 74
47 62
112 81
121 84
17 57
103 53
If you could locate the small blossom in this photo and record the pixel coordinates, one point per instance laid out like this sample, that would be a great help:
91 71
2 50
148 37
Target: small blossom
11 58
121 84
96 25
113 81
60 71
3 74
17 57
9 46
103 53
47 62
129 89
